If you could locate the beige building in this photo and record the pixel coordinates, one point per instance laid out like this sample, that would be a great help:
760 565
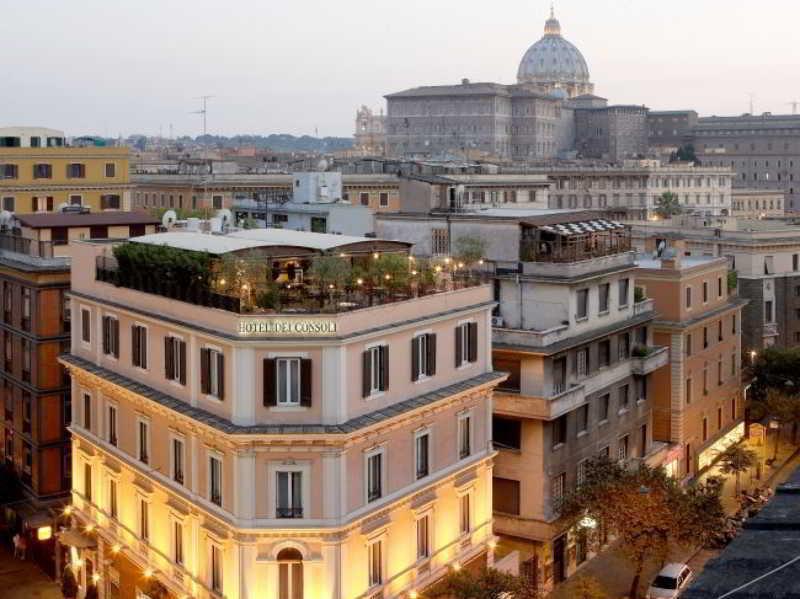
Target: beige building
757 203
697 402
254 452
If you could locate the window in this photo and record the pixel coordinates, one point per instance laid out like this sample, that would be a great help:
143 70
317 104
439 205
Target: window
643 439
582 361
423 537
139 346
719 418
87 411
688 344
287 382
440 242
212 373
768 313
177 542
27 355
87 481
583 419
290 574
144 519
705 292
111 336
624 292
112 498
582 309
215 480
66 313
422 442
733 364
604 353
705 337
42 171
384 199
111 170
375 370
506 433
604 291
733 324
289 500
375 557
175 359
364 198
719 287
465 514
705 429
374 476
624 397
8 171
26 308
624 346
86 326
216 569
603 405
733 408
581 472
8 204
111 414
76 171
719 331
559 431
143 444
466 343
110 201
464 436
769 267
76 200
423 356
622 448
559 485
177 456
216 202
688 297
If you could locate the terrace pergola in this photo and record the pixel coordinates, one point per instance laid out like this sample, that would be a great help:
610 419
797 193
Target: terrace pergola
573 241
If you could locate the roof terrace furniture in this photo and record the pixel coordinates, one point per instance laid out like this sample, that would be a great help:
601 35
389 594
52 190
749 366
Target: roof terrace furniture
573 241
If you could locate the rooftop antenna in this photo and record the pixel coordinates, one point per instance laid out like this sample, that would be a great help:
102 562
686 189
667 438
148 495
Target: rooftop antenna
752 96
794 104
203 111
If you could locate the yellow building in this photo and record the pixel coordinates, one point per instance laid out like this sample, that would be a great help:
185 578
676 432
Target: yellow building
39 173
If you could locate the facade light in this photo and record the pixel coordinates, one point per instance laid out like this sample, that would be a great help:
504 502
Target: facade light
44 533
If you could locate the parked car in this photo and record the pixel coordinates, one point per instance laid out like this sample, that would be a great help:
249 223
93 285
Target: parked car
669 583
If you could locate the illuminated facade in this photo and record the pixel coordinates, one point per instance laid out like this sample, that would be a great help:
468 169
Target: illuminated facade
697 402
259 455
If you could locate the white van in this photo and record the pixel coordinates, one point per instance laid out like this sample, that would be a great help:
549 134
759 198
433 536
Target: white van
669 583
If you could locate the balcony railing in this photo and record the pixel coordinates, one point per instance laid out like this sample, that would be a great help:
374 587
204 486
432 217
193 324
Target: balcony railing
643 307
25 245
289 512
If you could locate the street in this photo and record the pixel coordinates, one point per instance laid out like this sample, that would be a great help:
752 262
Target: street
613 571
23 579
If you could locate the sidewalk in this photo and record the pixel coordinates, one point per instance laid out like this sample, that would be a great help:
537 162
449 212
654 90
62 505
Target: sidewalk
24 580
613 570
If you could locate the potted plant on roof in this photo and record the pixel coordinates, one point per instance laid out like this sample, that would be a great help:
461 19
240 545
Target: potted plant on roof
469 251
331 274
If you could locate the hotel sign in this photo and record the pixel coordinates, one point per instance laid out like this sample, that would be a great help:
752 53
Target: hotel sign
287 327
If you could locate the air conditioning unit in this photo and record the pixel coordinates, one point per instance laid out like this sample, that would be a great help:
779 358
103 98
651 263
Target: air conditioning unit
497 321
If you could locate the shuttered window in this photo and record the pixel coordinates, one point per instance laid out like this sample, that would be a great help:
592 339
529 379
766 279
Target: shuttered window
111 336
139 346
287 382
423 356
466 350
212 373
86 325
175 359
375 370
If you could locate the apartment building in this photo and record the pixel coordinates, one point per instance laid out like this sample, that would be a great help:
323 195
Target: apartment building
757 203
765 254
34 330
632 190
224 449
580 353
40 173
697 400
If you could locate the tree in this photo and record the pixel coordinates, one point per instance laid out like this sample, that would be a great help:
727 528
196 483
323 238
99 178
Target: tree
776 368
587 587
668 205
735 460
646 509
329 270
470 249
489 583
69 586
686 153
779 407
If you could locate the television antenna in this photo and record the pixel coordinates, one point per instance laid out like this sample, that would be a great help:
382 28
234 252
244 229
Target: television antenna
794 104
752 96
203 111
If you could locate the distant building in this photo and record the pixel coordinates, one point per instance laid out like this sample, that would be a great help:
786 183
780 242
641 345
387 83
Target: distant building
39 173
612 133
763 150
757 203
370 134
670 128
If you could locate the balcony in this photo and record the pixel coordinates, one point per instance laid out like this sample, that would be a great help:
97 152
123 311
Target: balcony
648 359
579 268
556 403
30 251
644 307
771 329
289 512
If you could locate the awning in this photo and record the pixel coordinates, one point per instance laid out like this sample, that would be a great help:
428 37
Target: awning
77 539
583 227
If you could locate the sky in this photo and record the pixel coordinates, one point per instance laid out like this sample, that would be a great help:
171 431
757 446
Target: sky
111 67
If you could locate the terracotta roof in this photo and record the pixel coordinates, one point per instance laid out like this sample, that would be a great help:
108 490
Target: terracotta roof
46 220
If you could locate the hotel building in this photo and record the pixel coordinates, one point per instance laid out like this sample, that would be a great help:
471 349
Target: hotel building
697 402
226 450
39 173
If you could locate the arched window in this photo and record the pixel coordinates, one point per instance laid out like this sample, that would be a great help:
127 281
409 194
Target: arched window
290 574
